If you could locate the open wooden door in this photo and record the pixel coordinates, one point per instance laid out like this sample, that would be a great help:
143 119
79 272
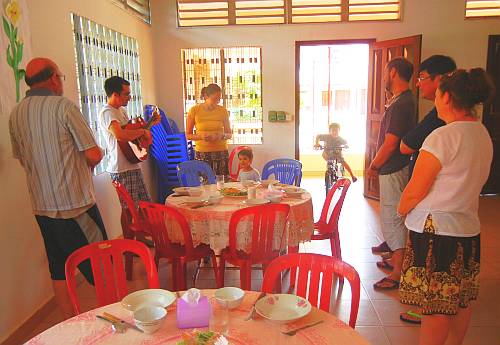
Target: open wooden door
491 115
380 53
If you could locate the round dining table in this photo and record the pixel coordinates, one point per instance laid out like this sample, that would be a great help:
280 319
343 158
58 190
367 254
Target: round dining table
210 224
86 328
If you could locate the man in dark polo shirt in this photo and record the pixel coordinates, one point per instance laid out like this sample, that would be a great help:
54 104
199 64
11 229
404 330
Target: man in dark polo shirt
430 72
391 165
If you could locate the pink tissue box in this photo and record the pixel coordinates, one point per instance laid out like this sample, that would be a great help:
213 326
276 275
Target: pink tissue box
193 315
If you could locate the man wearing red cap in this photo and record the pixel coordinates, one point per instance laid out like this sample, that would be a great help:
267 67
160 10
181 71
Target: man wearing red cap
57 149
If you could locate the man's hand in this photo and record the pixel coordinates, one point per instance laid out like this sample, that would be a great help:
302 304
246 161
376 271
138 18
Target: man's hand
371 173
317 147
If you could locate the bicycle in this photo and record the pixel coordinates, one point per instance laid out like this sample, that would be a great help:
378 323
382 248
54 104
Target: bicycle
334 168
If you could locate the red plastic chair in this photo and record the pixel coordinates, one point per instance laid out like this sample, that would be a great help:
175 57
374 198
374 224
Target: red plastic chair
106 259
327 227
319 267
176 253
262 251
235 170
133 225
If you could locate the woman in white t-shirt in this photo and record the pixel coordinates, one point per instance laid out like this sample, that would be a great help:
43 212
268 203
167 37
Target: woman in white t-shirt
440 271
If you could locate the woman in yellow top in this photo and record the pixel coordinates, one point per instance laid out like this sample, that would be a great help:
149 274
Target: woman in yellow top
212 130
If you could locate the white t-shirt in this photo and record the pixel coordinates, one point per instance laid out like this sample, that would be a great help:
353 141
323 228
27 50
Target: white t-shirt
465 151
117 160
252 175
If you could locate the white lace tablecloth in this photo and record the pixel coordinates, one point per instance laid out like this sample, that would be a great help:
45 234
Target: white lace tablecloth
87 329
210 224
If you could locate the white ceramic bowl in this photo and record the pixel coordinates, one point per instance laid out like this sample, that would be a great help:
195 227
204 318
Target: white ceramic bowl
233 296
195 191
150 318
215 199
158 297
249 183
268 182
181 190
282 308
274 197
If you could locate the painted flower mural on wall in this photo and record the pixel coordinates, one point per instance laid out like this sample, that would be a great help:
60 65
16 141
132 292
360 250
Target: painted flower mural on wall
14 52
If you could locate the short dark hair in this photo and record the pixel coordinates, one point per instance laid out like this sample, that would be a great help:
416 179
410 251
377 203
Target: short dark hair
246 152
211 89
40 77
403 67
114 84
467 88
437 65
203 92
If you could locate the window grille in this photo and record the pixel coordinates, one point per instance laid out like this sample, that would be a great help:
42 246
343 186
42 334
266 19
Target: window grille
101 53
237 12
139 8
238 71
482 8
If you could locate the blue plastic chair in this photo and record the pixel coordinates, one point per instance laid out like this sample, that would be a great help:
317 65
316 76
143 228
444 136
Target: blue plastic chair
168 124
191 173
285 170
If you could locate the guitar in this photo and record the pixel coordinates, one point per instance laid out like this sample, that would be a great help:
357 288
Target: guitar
136 151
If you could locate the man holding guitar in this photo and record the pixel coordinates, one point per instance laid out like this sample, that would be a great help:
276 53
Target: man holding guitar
113 122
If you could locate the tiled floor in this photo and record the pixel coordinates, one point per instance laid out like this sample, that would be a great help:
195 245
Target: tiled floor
378 319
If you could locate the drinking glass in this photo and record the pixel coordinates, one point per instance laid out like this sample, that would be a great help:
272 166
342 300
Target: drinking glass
219 316
220 181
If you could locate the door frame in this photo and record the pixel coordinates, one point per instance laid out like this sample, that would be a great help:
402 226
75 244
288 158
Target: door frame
298 45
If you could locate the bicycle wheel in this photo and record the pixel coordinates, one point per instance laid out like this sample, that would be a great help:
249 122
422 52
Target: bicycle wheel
329 180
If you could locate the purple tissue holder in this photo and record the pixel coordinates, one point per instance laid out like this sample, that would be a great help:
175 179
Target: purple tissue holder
193 315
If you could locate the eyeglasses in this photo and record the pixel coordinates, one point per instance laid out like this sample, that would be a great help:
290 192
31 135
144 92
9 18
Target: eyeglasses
421 79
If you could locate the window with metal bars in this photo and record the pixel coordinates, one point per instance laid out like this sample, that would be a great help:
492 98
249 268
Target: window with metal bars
101 53
238 72
238 12
139 8
482 8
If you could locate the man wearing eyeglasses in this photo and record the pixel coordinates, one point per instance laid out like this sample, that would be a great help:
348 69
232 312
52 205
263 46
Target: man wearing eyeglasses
57 150
430 72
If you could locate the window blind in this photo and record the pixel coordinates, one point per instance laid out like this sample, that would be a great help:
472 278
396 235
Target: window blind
101 53
482 8
238 12
139 8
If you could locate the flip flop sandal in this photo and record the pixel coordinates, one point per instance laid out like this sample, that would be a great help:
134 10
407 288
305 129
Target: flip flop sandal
411 317
392 284
384 265
386 255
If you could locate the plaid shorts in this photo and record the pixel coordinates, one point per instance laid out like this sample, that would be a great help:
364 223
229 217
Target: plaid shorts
133 181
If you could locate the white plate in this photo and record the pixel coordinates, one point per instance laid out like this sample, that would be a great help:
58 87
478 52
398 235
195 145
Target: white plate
294 190
282 308
158 297
181 190
254 202
267 182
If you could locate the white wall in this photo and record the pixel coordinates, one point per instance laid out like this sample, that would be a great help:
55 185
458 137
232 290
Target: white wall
25 278
440 22
26 284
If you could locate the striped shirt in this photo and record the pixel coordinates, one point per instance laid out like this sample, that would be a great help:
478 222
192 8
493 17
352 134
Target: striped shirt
48 135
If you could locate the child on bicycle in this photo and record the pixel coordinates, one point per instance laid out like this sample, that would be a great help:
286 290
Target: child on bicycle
333 147
247 172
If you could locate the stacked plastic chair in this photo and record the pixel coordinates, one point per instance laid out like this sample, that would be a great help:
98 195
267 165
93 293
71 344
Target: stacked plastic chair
169 148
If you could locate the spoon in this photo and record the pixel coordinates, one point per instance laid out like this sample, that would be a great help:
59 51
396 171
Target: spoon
116 327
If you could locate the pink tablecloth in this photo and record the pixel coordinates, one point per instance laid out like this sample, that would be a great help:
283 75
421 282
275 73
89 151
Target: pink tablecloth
210 224
87 329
